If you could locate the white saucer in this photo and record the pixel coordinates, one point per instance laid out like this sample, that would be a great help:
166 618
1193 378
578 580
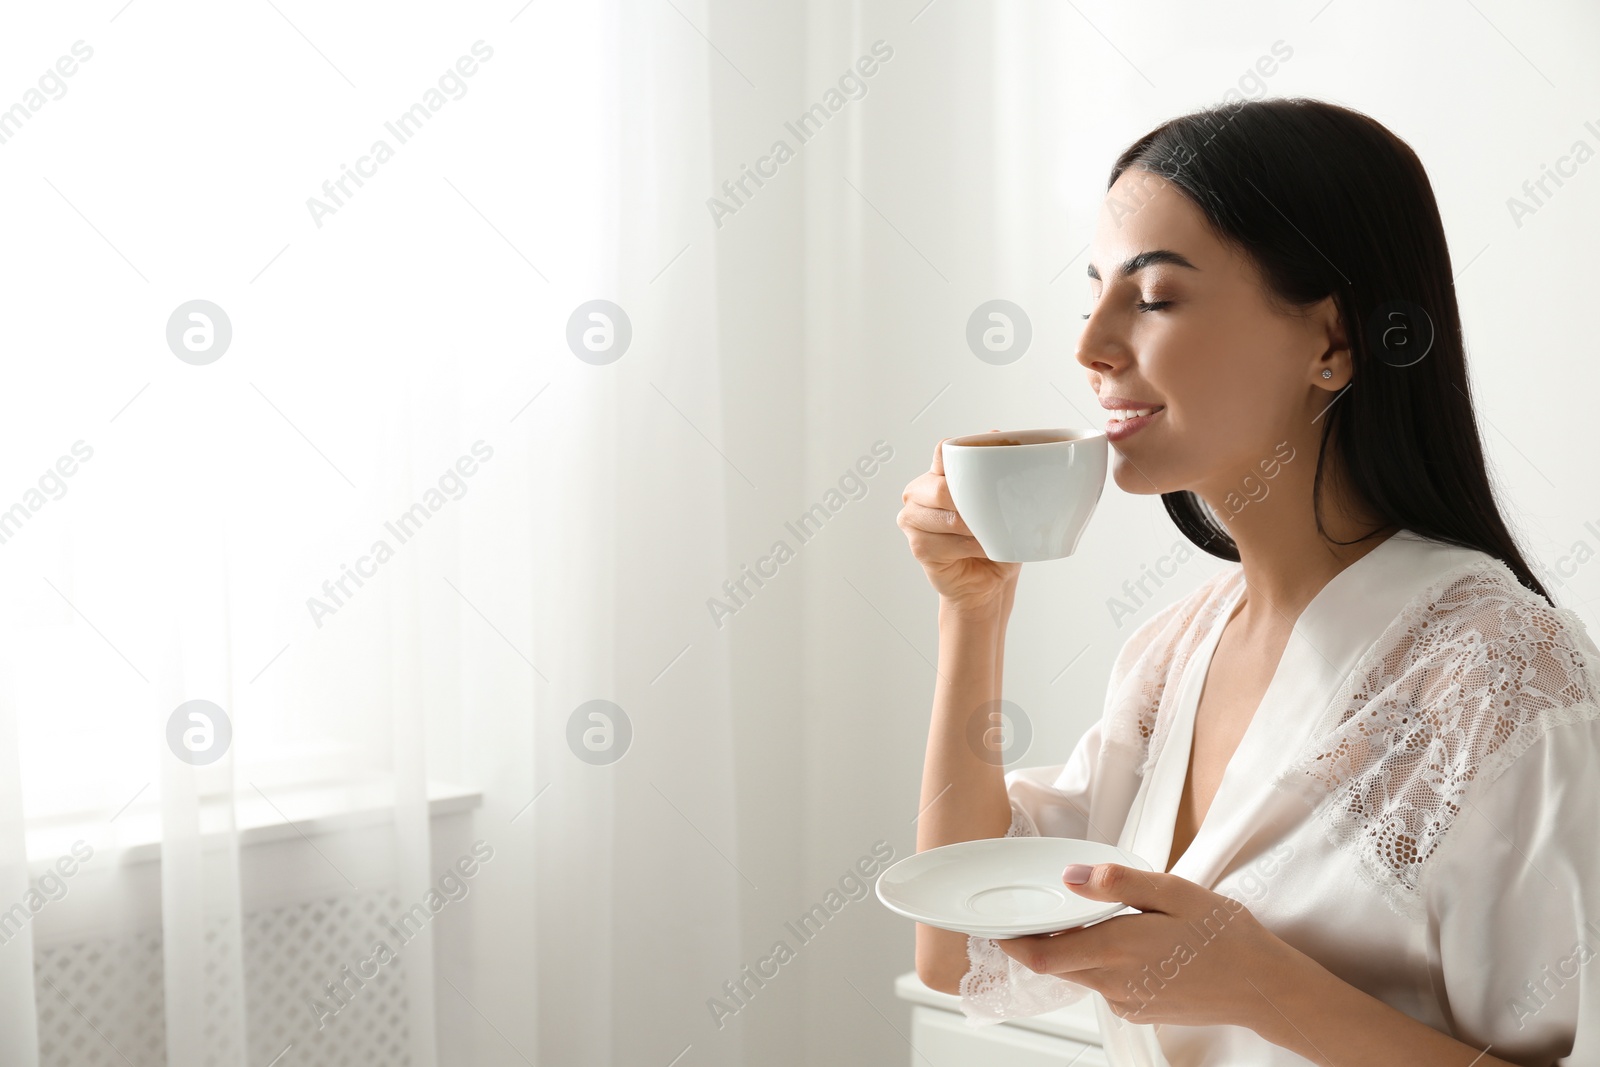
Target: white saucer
1000 886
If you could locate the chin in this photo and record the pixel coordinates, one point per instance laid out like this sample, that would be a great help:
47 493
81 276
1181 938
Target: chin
1128 478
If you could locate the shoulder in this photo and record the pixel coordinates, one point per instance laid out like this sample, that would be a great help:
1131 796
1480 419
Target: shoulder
1492 652
1472 673
1522 665
1484 596
1478 667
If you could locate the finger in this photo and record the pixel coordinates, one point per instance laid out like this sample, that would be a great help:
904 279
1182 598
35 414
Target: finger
1059 953
933 547
934 520
1144 890
939 549
930 490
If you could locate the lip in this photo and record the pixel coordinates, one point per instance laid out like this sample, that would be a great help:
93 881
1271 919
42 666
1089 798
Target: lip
1121 430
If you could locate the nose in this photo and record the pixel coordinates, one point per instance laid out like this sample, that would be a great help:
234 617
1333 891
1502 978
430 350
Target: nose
1099 350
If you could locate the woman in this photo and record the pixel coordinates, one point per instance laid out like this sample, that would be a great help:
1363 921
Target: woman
1364 763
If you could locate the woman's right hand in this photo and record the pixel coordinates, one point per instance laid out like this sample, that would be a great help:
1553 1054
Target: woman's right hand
956 566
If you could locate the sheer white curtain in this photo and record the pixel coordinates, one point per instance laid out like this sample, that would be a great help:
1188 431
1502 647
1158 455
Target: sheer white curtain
406 359
149 930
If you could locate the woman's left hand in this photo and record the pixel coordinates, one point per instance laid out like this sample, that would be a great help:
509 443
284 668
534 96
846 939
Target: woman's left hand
1191 956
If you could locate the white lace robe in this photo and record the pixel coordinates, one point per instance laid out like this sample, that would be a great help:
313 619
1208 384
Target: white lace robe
1414 805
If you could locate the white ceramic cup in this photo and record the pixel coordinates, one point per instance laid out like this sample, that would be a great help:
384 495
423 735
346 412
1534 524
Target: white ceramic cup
1027 499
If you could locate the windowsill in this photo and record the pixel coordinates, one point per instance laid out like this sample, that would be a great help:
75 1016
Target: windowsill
290 813
1077 1022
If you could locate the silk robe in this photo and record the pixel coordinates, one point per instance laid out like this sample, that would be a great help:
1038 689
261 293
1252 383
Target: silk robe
1414 805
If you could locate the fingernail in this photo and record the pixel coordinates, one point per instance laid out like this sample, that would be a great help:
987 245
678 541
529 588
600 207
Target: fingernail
1077 873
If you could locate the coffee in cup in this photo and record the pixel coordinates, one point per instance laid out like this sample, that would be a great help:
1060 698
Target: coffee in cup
1026 495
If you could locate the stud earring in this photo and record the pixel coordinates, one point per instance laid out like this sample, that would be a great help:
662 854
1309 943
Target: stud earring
1327 373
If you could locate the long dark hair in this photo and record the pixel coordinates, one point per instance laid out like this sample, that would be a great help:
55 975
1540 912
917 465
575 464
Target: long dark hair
1325 200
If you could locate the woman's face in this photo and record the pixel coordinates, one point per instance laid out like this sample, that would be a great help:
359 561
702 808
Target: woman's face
1190 333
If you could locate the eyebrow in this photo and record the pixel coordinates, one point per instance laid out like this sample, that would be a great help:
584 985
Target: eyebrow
1137 263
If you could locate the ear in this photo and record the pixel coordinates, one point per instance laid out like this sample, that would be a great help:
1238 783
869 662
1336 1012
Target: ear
1329 331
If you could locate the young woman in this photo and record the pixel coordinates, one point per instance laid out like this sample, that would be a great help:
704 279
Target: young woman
1365 762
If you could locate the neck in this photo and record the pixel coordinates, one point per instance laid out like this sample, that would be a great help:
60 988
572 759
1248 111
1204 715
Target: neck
1286 559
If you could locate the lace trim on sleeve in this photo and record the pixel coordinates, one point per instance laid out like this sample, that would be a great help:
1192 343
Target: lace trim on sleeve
1472 673
997 987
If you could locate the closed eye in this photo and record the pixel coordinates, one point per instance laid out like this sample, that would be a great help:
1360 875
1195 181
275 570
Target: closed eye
1148 305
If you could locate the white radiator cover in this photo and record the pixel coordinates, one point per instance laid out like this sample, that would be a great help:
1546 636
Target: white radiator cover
114 986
